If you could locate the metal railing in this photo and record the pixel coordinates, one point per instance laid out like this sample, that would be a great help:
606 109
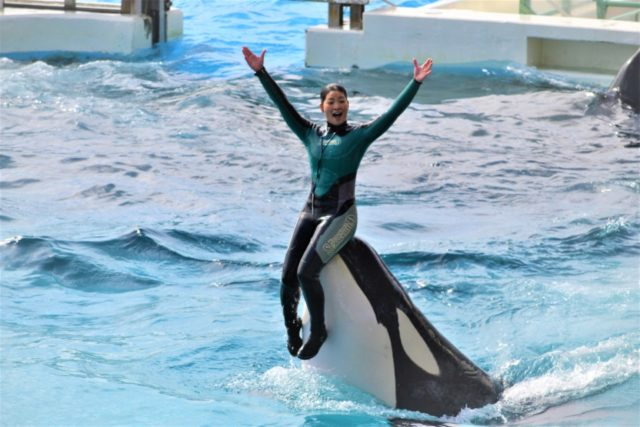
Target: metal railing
126 7
603 5
69 5
154 9
566 7
558 7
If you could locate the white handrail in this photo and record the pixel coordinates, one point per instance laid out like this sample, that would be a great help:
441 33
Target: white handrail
133 7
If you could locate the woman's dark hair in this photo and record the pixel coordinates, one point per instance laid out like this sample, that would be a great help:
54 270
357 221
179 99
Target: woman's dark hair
330 88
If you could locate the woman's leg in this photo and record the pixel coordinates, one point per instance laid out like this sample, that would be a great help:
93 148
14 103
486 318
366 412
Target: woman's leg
290 288
330 236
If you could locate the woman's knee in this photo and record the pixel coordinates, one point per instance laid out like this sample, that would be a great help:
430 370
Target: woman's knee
303 274
308 272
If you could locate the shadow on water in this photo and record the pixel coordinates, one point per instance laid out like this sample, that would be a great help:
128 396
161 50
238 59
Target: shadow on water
622 118
401 422
447 82
66 59
450 84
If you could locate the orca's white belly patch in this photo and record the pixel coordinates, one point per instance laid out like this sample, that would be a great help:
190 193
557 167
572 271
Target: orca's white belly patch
355 338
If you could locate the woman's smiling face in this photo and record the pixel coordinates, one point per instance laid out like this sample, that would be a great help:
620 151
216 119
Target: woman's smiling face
335 107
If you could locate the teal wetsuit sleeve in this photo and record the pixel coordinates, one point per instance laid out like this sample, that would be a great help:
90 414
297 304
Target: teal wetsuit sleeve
384 122
298 124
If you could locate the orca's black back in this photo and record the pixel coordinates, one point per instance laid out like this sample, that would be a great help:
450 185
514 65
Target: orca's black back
627 82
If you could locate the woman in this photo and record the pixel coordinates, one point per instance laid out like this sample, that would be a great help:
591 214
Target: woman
328 220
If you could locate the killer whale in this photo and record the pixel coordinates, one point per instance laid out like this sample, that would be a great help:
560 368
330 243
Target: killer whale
380 342
626 85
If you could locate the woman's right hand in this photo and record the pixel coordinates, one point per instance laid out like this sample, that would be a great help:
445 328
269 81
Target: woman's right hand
254 61
420 72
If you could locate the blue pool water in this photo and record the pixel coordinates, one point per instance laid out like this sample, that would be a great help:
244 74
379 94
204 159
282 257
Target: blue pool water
147 202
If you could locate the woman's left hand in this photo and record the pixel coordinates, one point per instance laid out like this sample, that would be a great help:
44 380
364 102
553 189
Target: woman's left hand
420 72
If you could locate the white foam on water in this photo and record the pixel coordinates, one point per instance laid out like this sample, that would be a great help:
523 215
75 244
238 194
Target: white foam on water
574 374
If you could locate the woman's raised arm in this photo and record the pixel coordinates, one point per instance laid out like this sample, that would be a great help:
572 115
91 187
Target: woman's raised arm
384 122
298 124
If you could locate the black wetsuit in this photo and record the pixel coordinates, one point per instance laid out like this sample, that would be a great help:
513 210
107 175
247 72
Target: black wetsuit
328 220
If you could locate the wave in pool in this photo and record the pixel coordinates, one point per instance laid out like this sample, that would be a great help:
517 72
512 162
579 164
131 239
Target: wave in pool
127 263
531 387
